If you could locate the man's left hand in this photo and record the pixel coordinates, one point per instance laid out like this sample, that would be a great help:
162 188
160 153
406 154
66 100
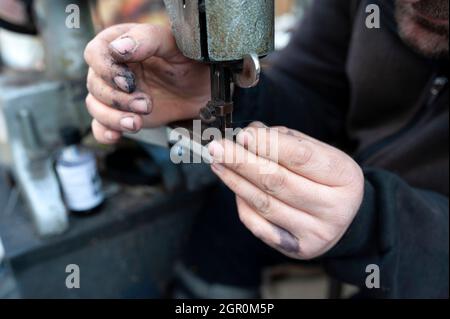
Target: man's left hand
295 193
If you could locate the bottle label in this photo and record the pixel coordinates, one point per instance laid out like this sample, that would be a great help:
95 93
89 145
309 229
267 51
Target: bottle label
81 185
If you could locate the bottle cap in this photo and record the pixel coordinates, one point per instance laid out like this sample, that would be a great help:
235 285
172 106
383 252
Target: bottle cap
70 135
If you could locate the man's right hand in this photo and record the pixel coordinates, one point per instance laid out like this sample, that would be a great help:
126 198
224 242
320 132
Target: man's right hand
138 78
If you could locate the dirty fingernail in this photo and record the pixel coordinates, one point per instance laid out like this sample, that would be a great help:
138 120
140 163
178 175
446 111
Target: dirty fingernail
124 45
140 105
128 124
125 83
216 150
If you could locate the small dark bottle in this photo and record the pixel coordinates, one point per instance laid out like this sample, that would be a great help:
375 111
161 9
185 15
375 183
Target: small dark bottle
78 175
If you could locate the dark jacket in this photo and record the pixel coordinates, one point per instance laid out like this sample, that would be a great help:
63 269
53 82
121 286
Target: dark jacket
368 93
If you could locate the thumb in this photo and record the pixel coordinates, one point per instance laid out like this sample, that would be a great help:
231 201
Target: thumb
142 42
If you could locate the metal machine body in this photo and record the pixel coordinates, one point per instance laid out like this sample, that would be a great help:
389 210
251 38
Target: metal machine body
229 35
34 106
222 31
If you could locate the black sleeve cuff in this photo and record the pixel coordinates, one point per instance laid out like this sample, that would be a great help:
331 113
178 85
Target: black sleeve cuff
360 237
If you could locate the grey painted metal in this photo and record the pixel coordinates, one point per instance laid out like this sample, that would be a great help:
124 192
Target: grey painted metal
239 27
186 26
234 28
30 109
64 46
34 108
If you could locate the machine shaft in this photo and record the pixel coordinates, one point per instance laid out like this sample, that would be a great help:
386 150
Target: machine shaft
219 111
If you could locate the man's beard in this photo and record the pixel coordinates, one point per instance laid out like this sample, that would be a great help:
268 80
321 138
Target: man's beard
423 35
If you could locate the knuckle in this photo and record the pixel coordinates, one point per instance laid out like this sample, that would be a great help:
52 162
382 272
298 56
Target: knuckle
258 124
282 129
355 175
265 132
273 183
155 32
301 155
151 28
337 166
359 180
88 51
89 84
88 102
345 169
90 106
95 129
251 130
262 203
290 132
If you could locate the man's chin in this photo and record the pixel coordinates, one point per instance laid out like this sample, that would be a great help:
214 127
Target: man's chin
422 38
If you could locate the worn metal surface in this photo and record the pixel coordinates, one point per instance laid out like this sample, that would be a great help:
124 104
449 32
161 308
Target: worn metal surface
186 26
239 27
234 28
33 116
34 106
64 43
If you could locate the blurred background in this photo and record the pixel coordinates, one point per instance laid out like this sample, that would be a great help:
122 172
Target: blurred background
127 237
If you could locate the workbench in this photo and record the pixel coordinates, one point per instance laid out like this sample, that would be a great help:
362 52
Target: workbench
127 250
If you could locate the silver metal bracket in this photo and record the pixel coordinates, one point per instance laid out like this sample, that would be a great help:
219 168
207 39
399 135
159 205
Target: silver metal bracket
251 71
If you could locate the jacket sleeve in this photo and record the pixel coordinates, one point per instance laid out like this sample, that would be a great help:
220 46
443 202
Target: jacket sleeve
305 86
402 230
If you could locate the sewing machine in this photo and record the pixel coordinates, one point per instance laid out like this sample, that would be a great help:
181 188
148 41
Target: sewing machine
231 36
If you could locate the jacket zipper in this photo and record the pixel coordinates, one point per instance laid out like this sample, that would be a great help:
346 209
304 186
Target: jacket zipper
438 86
